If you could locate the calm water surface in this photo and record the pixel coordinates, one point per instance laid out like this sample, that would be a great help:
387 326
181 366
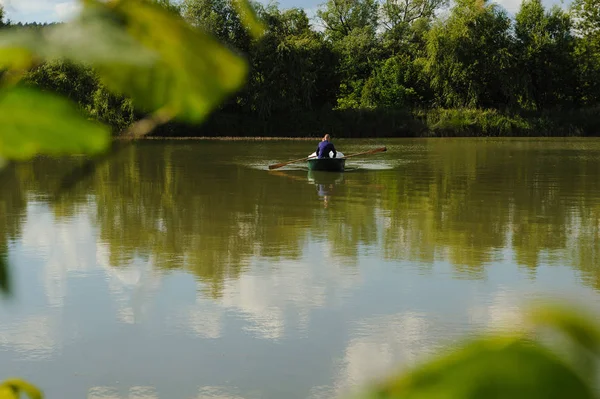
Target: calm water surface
188 270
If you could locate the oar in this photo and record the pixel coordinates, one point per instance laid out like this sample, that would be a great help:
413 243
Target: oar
279 165
375 151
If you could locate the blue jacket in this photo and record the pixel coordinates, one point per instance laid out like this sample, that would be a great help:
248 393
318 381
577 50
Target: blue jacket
324 148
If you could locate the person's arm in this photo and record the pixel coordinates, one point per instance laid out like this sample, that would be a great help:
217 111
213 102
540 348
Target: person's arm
333 150
317 152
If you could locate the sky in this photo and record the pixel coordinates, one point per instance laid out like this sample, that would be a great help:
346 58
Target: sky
61 10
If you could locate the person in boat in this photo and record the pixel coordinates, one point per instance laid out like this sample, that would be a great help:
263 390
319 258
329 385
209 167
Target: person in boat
324 147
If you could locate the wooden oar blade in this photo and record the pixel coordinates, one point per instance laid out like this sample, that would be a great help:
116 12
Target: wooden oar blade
382 149
279 165
376 150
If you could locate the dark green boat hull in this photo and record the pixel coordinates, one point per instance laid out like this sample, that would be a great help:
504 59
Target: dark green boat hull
327 164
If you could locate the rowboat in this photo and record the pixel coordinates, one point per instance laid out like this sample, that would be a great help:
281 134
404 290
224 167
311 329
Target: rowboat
327 164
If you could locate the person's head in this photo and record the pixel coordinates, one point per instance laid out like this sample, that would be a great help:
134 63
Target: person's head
326 138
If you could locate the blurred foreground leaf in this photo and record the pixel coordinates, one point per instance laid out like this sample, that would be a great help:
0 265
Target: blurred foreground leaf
489 368
12 389
14 57
249 17
195 72
34 122
140 50
578 326
96 37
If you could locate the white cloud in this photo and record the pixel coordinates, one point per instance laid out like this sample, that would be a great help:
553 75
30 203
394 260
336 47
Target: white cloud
67 10
40 10
512 6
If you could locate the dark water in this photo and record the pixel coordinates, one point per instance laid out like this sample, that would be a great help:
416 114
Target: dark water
188 270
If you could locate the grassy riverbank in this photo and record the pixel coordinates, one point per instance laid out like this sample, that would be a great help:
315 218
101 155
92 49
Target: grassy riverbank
387 123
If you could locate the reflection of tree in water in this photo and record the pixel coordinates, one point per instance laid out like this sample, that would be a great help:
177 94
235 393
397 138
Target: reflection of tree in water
468 200
460 201
12 207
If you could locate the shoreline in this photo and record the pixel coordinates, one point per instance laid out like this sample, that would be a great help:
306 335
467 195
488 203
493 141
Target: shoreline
382 124
222 138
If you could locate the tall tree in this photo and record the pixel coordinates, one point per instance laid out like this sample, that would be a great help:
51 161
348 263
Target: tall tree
293 68
587 18
390 85
341 17
586 15
545 56
220 18
469 56
351 25
402 13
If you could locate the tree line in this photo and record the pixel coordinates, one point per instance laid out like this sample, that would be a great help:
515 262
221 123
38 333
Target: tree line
387 67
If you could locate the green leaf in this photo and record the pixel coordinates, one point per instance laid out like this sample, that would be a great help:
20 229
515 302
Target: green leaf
176 67
12 388
15 58
34 123
194 75
249 18
571 321
489 368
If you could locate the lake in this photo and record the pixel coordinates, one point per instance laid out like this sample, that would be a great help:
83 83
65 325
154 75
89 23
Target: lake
187 269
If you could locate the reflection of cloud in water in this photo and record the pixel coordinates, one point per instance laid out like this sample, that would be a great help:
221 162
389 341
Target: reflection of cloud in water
217 393
147 392
262 298
32 336
322 392
204 319
383 344
139 392
501 313
130 285
68 248
64 246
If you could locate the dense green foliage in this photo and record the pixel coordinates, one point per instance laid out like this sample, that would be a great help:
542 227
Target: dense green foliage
384 68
